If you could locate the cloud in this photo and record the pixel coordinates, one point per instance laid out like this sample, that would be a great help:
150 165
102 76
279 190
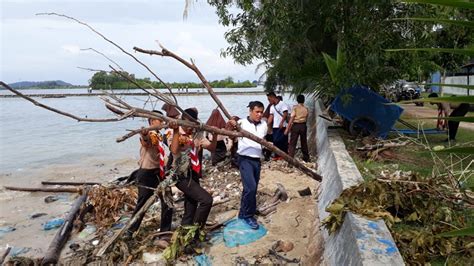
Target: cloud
73 49
29 42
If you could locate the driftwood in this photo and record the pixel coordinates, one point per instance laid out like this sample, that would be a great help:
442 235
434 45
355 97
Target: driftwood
40 189
5 254
69 183
270 206
54 250
282 259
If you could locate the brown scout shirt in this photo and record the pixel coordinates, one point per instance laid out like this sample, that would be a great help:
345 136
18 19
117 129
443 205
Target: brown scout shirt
300 113
149 157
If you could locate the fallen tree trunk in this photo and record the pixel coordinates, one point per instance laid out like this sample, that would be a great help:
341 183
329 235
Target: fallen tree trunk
5 254
54 250
219 131
266 144
40 189
69 183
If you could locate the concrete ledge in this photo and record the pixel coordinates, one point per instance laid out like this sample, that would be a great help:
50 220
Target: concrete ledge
359 241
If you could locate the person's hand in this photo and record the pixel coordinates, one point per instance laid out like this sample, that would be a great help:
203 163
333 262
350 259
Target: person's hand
144 132
286 131
281 125
173 125
231 124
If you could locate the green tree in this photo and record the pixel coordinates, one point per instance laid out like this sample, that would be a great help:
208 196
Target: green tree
290 37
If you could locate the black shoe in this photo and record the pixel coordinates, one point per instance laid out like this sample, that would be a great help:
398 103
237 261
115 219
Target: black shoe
251 222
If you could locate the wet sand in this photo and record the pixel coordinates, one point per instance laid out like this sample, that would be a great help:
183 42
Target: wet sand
17 207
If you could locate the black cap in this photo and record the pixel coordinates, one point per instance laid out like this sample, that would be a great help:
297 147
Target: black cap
192 113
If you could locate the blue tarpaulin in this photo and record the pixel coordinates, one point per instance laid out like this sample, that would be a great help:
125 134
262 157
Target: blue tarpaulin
237 233
362 102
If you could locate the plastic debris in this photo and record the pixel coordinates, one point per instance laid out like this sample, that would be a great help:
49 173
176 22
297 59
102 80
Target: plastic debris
148 257
6 229
52 224
15 251
237 233
203 260
87 231
120 223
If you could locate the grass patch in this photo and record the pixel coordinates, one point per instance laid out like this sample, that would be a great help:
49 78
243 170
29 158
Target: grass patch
415 158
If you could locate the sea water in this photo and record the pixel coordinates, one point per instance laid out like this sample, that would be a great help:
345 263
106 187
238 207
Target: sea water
32 137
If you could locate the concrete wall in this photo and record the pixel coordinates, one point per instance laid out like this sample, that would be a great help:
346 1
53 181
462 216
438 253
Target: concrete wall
458 80
359 241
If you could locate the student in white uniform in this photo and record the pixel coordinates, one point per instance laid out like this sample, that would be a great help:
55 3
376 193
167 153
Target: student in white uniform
249 153
278 116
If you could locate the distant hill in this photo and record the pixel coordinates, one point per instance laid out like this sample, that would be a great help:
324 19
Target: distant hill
40 84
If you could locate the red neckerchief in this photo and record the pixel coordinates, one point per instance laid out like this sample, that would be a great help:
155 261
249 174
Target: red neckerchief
161 159
194 157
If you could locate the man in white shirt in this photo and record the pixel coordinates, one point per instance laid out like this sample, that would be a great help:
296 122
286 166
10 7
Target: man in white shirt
249 153
278 115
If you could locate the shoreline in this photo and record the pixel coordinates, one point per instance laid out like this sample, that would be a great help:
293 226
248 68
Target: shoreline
64 95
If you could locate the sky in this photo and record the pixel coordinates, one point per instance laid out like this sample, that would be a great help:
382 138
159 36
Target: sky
37 47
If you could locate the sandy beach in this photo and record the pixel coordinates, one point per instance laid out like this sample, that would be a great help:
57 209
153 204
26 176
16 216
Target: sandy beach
294 220
18 207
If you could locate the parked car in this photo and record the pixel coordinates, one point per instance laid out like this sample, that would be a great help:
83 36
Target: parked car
403 91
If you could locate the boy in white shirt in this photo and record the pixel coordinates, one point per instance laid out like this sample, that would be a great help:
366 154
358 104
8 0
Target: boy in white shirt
249 153
278 116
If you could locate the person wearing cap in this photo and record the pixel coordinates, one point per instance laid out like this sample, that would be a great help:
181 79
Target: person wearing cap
152 163
249 153
278 116
186 149
298 129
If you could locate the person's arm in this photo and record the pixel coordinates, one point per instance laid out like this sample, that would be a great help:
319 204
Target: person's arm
174 147
283 119
209 145
144 138
290 124
270 121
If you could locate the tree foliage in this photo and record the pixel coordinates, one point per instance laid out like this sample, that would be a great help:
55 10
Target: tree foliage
291 37
105 81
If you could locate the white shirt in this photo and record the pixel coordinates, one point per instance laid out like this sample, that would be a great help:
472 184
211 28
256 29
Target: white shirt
280 107
248 147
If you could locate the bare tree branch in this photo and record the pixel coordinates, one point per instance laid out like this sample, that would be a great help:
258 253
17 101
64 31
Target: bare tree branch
192 66
91 69
166 52
157 94
111 42
79 119
106 57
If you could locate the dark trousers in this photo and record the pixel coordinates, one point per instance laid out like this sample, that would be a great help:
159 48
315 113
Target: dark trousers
197 201
280 139
146 179
250 174
453 126
219 154
266 152
298 130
